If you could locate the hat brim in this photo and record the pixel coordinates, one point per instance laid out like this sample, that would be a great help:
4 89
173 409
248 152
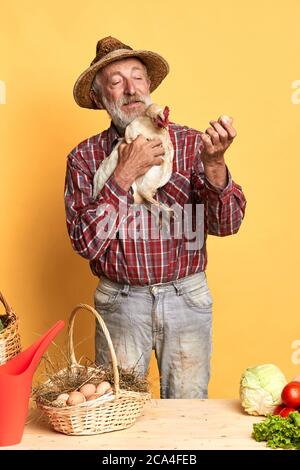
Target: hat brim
156 65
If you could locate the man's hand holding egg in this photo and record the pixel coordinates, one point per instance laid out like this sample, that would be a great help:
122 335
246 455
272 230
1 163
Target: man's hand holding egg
216 140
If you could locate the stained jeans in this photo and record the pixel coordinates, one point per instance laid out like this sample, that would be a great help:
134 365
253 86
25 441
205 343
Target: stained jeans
173 319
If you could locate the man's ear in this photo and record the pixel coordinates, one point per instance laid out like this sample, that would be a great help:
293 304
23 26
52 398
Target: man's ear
95 99
92 94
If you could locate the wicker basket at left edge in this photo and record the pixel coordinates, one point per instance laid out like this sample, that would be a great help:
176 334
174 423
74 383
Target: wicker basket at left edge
10 343
96 417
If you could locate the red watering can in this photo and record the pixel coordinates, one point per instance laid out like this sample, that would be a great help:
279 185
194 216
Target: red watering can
15 385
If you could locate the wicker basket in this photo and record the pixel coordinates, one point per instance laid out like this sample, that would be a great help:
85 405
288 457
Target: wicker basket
10 343
96 416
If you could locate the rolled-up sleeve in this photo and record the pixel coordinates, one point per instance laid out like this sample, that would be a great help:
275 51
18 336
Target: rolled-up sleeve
224 208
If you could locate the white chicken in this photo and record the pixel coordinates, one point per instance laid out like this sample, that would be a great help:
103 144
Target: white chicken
153 124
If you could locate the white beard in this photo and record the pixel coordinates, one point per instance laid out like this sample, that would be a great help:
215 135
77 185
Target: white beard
119 117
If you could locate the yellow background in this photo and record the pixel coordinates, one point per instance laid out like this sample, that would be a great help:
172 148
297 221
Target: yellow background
233 57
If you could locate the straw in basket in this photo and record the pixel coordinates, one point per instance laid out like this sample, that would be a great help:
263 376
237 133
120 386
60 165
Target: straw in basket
10 343
101 415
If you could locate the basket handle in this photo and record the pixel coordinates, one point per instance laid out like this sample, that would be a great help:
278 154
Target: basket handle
8 309
71 352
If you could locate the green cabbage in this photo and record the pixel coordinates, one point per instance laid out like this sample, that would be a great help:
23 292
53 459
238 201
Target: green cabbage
260 389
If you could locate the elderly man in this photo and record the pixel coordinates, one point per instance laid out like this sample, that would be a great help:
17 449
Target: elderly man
152 293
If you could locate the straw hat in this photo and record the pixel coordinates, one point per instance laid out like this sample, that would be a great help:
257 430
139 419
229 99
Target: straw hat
109 50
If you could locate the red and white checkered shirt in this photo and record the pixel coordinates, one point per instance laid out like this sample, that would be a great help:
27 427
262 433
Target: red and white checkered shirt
95 225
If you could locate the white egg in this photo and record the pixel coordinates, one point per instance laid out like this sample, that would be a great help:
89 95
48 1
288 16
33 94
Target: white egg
59 403
63 396
103 387
225 119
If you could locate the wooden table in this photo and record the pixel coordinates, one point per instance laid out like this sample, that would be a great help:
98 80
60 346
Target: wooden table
164 424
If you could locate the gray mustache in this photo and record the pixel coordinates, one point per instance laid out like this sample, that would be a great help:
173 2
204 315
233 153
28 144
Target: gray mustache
133 99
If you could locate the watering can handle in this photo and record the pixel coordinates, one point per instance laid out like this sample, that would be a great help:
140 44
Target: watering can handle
8 309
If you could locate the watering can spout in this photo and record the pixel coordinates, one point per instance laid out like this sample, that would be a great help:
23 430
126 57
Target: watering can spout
15 385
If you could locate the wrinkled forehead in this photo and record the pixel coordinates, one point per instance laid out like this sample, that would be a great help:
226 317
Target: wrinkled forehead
122 66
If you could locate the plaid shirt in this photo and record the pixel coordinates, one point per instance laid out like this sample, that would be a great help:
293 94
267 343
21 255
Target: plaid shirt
95 225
